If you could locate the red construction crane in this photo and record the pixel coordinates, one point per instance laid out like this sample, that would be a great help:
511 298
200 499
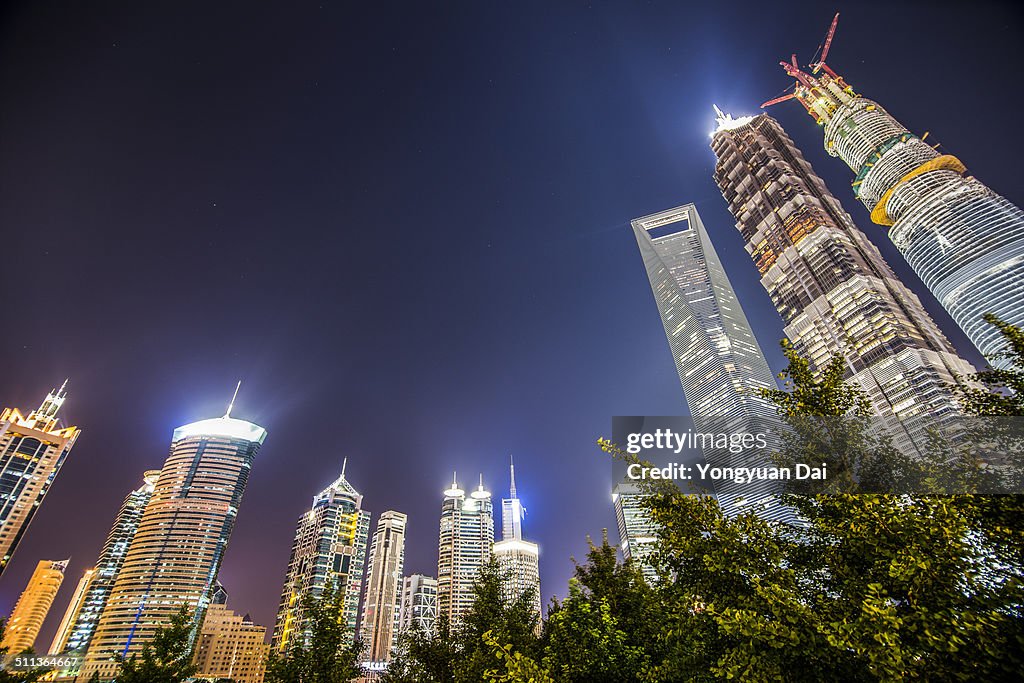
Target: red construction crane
820 64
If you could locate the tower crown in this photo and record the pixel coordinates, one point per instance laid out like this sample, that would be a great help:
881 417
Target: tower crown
44 418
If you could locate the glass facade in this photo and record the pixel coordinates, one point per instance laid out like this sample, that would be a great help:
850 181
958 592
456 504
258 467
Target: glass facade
720 364
518 558
32 451
126 524
964 241
464 545
831 285
329 549
181 538
382 603
419 603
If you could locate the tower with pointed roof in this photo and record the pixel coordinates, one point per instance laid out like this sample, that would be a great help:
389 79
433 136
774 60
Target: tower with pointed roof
518 558
32 450
464 546
329 550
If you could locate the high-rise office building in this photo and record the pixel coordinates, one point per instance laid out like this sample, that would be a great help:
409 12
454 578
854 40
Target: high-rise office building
464 546
720 364
32 451
831 285
329 549
33 605
419 604
60 639
964 241
517 557
637 531
230 647
126 524
184 530
382 603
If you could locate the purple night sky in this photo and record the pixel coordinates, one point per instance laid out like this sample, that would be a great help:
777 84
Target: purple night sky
407 231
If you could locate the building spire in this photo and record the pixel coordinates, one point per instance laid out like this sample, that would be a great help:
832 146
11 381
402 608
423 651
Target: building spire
512 476
344 464
233 397
45 417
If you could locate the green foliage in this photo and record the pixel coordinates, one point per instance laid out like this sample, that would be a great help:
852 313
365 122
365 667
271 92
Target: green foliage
460 654
518 667
329 656
167 658
424 657
607 628
1002 390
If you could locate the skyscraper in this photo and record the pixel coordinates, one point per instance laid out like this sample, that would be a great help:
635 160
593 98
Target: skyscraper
184 530
830 284
30 611
60 639
329 548
719 362
126 524
419 604
519 558
32 451
382 603
230 647
964 241
637 531
464 546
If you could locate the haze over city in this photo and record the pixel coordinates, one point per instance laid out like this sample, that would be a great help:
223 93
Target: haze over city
406 231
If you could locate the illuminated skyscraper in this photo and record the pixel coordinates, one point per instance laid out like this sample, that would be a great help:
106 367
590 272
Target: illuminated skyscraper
833 289
30 611
230 647
126 524
329 548
964 241
175 555
464 546
516 556
419 604
637 531
32 451
382 604
720 364
60 639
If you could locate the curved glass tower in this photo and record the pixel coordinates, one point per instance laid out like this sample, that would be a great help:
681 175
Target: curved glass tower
964 241
174 556
833 289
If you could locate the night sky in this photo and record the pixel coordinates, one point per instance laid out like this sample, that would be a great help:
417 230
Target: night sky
406 230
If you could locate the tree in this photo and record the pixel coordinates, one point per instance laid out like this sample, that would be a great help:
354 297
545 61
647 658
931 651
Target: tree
329 655
1001 393
866 587
511 622
462 654
424 656
167 658
606 629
